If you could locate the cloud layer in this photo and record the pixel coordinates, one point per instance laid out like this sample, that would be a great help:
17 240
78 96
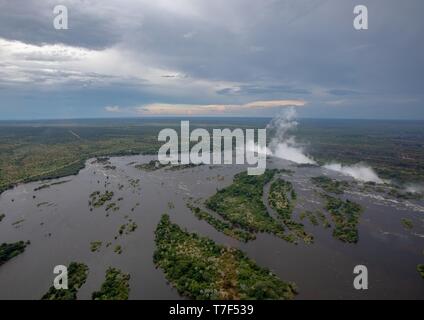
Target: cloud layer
211 53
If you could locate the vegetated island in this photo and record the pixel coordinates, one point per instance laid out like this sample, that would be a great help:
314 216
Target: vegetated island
98 199
281 198
11 250
115 287
241 204
201 269
345 215
77 275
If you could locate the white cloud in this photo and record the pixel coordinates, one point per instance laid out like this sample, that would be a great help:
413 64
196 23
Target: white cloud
205 109
113 109
56 65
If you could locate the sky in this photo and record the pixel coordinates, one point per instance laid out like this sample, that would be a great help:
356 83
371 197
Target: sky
249 58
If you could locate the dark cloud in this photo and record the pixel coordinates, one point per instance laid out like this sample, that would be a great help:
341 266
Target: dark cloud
31 21
342 92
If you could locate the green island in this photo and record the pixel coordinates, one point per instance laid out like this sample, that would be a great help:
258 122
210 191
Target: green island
222 226
152 165
201 269
95 246
407 224
345 215
77 275
281 198
241 204
330 185
115 287
420 269
98 199
11 250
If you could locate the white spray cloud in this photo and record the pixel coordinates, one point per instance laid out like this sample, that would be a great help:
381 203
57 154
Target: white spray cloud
415 188
283 145
357 171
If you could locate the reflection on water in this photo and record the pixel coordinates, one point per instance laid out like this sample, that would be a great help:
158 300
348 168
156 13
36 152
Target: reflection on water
60 226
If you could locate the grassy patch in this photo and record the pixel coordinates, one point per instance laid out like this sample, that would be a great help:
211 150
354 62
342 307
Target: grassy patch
201 269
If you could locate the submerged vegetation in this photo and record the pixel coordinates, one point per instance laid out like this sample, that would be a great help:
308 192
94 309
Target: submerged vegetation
115 287
316 218
2 216
127 228
98 199
77 275
201 269
345 215
420 269
407 224
11 250
118 249
95 246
